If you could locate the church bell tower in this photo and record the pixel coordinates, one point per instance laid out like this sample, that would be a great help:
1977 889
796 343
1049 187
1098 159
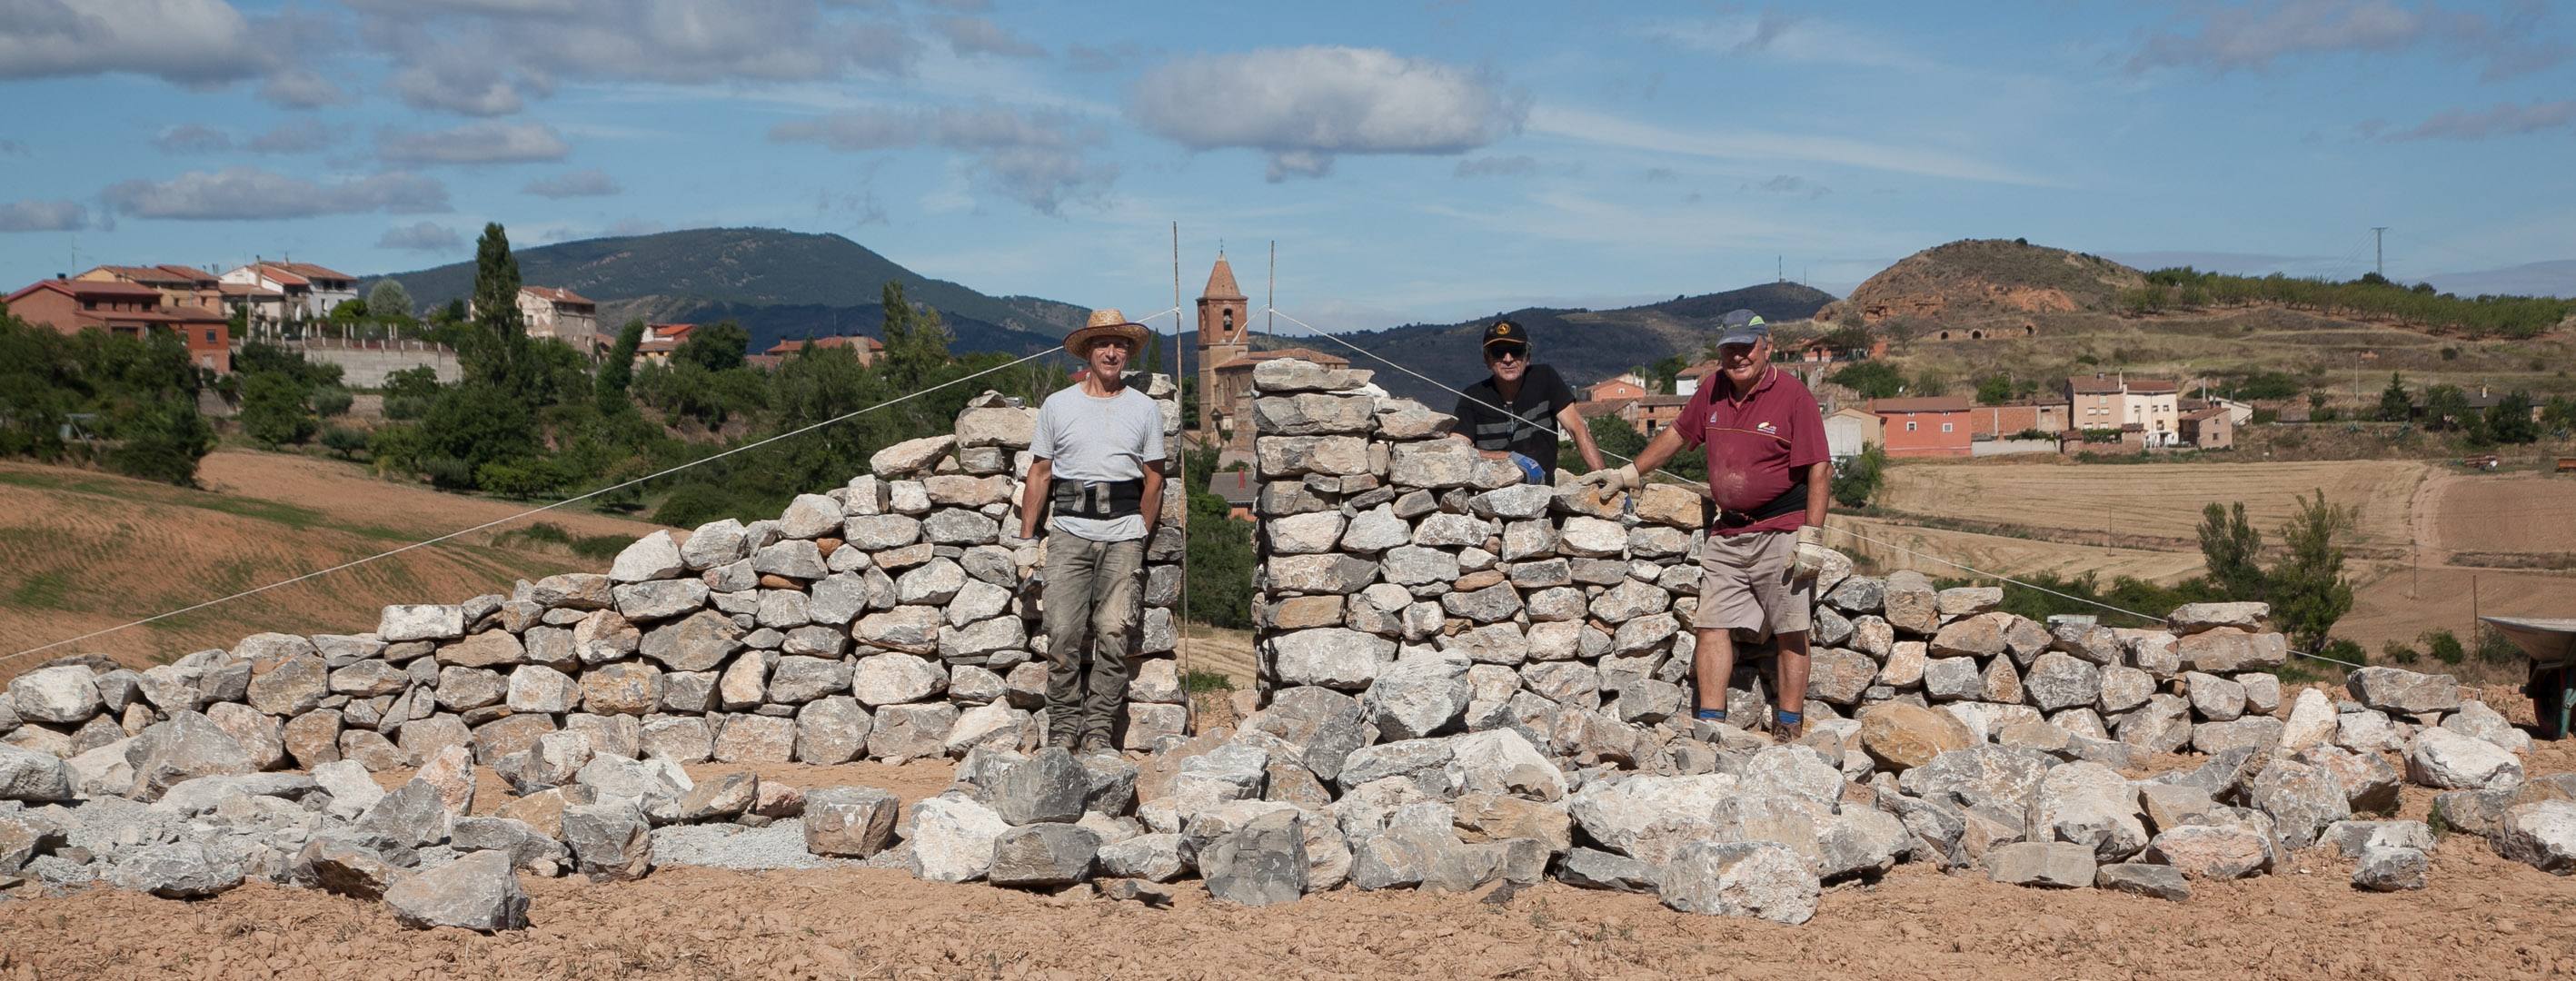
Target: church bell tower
1224 320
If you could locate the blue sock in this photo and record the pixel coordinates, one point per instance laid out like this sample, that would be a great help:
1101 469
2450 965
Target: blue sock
1786 717
1713 715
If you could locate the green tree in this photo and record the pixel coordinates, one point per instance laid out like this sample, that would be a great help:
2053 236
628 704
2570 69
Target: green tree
2232 551
2308 591
1994 390
618 370
274 410
471 425
1220 553
491 349
2394 404
719 346
2445 407
344 442
2509 420
916 342
388 299
160 439
1872 379
1858 479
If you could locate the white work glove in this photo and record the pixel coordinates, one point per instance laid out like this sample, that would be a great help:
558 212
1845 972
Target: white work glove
1811 551
1604 483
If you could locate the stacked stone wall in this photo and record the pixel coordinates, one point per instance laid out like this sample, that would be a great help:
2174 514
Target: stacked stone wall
892 618
1391 550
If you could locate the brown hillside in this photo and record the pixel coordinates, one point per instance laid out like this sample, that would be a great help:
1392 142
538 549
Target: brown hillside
83 551
1979 280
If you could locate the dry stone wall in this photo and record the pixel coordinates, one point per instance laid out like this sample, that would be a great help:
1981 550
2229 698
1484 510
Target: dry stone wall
1401 567
892 618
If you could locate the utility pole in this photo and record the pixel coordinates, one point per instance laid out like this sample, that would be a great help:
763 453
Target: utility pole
2379 250
1270 304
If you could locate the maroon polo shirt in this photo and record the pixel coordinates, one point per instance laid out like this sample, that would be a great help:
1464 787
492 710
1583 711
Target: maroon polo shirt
1757 443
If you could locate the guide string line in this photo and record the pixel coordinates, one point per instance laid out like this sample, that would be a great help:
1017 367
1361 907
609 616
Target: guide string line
354 563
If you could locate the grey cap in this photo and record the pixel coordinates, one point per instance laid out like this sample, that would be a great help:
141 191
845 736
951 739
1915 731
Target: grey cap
1742 327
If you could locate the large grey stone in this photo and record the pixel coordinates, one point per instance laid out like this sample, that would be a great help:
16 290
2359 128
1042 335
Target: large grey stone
1756 879
177 870
2448 760
1043 856
952 838
610 840
478 892
1419 695
1049 786
850 822
2541 834
2035 863
33 777
65 694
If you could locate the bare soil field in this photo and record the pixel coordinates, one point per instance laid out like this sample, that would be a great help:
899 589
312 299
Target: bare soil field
2481 917
82 550
2435 546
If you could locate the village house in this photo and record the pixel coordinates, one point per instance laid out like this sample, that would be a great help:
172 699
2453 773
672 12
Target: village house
2210 428
2117 402
1686 381
2014 418
1924 426
178 285
1850 431
305 291
1239 490
868 349
1627 386
127 310
659 341
1650 414
560 314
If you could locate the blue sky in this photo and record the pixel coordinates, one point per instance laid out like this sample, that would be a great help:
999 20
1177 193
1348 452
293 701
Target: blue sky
1414 160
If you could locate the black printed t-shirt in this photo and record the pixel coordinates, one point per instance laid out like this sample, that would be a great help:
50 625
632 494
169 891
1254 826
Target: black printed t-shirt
1522 425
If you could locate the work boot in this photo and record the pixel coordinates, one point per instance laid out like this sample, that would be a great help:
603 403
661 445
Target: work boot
1095 743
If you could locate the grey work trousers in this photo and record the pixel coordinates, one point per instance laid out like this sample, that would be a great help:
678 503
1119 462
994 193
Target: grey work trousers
1089 607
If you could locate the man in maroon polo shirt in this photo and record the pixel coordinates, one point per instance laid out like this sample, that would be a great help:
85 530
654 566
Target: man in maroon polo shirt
1771 476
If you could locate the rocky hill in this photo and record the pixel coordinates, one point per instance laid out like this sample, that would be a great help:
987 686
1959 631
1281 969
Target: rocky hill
779 284
1977 280
1585 346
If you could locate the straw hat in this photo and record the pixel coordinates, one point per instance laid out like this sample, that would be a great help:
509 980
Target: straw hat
1105 322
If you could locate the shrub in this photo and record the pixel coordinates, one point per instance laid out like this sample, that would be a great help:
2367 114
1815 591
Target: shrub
331 401
2395 652
2443 645
344 441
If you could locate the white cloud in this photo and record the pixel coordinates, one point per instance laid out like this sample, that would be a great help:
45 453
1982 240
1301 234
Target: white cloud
1788 37
474 143
575 184
423 236
980 35
2252 37
300 136
1036 157
251 193
193 138
302 88
1303 106
2502 119
1769 147
43 216
489 57
196 43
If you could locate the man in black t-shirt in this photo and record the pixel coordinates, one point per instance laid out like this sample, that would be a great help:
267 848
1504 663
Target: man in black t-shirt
1513 411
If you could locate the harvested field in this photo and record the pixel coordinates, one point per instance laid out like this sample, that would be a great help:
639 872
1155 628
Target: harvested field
2531 514
2005 554
2155 500
82 551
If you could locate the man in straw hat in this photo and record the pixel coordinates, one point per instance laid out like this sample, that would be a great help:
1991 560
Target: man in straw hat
1771 476
1099 449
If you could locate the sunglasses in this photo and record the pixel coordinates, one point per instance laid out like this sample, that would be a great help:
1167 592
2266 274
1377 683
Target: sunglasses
1508 352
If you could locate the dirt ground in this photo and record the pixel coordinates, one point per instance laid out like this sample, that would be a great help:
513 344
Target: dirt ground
83 550
2481 917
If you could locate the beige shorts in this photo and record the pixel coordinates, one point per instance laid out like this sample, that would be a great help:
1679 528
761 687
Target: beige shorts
1745 583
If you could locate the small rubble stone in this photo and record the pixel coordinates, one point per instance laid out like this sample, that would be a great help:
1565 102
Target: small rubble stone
2141 879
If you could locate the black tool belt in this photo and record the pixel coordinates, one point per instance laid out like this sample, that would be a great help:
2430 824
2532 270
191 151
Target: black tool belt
1793 499
1097 499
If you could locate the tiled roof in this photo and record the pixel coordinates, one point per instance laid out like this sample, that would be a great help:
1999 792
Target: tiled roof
311 271
1602 408
1950 403
2096 385
1654 401
92 288
559 295
1700 370
1236 486
2153 386
1220 284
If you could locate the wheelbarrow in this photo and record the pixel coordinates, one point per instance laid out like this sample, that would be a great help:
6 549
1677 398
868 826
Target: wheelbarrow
2551 646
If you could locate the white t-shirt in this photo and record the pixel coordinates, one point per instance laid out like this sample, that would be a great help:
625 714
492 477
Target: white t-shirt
1088 438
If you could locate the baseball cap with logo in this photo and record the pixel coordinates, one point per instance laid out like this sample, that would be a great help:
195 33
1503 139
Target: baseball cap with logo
1506 332
1742 327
